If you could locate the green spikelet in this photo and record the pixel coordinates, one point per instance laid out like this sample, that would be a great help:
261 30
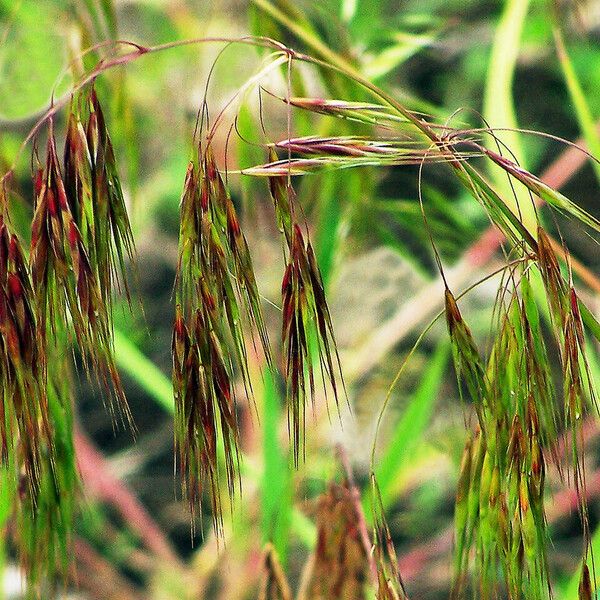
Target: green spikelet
389 580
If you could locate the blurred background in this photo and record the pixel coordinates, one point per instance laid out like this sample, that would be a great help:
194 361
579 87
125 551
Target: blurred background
459 61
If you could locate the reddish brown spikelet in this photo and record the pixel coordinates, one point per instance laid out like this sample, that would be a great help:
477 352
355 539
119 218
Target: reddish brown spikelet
65 282
204 405
586 591
95 195
305 317
340 566
24 418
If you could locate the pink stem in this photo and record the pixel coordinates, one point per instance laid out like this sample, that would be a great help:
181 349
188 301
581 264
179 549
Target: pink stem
99 481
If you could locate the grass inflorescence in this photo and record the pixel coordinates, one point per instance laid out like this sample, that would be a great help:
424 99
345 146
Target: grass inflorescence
62 294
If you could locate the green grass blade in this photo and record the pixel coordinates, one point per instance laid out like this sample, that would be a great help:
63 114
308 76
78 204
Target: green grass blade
580 104
498 105
405 46
411 427
276 494
143 371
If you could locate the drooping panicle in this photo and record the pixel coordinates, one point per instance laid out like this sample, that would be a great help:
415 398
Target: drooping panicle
307 328
499 512
215 288
568 329
66 284
37 458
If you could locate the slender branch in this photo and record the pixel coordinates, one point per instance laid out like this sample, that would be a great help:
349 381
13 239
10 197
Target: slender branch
421 307
124 59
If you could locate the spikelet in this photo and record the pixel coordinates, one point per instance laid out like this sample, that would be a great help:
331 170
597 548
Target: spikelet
65 283
339 564
215 277
389 581
307 330
24 423
586 591
467 360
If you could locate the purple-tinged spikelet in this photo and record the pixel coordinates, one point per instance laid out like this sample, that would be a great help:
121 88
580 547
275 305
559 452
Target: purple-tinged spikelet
24 425
214 277
306 320
66 285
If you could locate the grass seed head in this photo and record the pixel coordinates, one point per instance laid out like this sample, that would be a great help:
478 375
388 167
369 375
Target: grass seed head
340 566
67 287
215 288
306 321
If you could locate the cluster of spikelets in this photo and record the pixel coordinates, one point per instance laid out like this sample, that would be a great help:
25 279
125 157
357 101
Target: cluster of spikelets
500 519
80 240
306 318
80 235
500 496
214 273
216 294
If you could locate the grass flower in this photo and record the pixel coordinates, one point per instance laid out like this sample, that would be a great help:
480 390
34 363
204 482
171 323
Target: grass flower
215 278
65 282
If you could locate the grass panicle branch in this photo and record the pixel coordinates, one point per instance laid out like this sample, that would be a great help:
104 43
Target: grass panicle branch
307 331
